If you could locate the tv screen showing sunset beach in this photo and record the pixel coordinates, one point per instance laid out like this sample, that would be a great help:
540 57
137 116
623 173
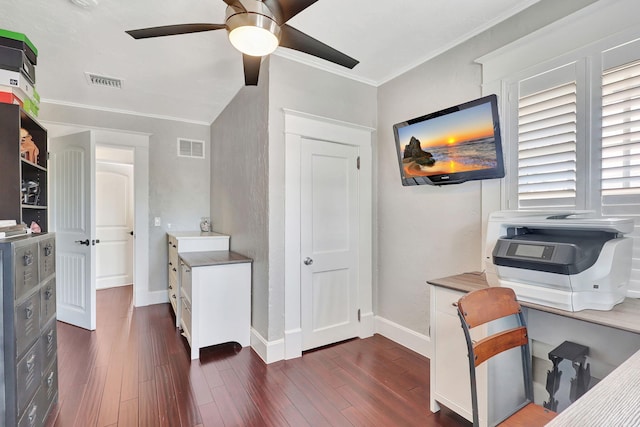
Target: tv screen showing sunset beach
460 141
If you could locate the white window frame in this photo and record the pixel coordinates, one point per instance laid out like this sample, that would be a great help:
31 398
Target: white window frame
595 38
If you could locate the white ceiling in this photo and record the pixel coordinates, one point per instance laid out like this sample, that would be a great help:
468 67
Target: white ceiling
194 76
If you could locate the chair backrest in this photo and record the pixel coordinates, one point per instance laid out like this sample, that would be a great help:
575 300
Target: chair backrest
485 305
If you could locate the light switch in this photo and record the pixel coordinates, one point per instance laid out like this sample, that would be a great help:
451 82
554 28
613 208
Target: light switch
156 221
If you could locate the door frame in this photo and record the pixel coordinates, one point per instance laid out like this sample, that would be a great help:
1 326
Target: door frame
297 127
139 142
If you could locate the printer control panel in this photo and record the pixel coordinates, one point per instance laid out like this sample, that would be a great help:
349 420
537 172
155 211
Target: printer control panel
528 250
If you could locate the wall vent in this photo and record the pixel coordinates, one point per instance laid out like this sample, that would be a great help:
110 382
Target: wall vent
190 148
98 80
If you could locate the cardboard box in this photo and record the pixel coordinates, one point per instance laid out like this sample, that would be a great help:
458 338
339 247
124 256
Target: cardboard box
16 60
17 92
10 98
19 41
17 80
31 107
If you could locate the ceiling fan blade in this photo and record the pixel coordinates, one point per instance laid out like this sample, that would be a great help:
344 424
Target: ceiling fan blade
296 39
172 30
236 5
251 69
287 9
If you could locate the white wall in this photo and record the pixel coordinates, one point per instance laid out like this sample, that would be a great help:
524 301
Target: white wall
178 187
428 232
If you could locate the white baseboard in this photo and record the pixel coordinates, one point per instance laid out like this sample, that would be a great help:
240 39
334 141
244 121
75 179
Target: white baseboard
367 325
269 351
419 343
289 347
293 343
145 298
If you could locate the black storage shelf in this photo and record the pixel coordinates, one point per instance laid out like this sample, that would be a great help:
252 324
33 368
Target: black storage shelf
23 188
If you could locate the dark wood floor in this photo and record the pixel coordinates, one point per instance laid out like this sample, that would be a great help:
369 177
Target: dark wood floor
134 370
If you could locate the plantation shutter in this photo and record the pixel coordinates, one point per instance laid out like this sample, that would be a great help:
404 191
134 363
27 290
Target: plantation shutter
547 137
620 163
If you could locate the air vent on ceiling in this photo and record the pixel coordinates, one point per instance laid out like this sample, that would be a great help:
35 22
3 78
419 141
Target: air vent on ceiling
190 148
98 80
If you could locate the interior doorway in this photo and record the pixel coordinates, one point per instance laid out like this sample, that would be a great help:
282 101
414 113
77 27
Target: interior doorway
114 216
300 130
138 145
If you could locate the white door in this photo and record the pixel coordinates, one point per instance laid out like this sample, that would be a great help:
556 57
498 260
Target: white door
73 218
114 225
329 242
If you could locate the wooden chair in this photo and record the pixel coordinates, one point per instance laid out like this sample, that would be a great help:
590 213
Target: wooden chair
479 308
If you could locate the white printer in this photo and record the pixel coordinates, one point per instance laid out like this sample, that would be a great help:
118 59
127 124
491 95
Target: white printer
569 260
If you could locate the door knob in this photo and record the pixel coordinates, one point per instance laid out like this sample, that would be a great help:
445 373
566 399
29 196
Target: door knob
83 242
308 261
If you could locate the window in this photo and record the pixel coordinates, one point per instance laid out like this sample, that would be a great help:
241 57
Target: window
620 181
547 148
578 138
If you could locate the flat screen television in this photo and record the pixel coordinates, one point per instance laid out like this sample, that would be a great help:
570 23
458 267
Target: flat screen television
451 146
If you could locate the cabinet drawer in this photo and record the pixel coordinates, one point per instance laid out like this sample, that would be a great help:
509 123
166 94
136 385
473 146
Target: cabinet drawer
49 342
28 374
446 301
31 415
26 269
173 253
49 388
47 257
27 324
185 280
186 317
48 300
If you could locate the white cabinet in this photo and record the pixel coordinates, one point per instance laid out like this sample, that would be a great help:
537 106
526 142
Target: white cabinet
449 380
188 241
215 299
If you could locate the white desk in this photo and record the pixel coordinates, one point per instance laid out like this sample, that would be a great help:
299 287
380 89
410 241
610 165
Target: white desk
614 400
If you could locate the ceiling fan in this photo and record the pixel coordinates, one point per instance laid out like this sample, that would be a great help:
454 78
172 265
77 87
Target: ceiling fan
256 28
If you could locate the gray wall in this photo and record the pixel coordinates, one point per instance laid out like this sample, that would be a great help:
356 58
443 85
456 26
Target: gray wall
239 186
247 177
178 187
428 232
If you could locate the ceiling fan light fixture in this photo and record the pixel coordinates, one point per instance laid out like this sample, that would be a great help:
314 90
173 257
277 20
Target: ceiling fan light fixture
253 34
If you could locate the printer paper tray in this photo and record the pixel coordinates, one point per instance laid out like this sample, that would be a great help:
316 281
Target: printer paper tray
563 300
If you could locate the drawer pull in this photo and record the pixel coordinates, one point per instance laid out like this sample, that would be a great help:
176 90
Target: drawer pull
50 336
32 414
174 269
27 259
28 311
50 380
48 249
31 362
173 296
48 293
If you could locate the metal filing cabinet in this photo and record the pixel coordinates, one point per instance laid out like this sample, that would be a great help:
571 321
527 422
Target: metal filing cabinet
28 348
